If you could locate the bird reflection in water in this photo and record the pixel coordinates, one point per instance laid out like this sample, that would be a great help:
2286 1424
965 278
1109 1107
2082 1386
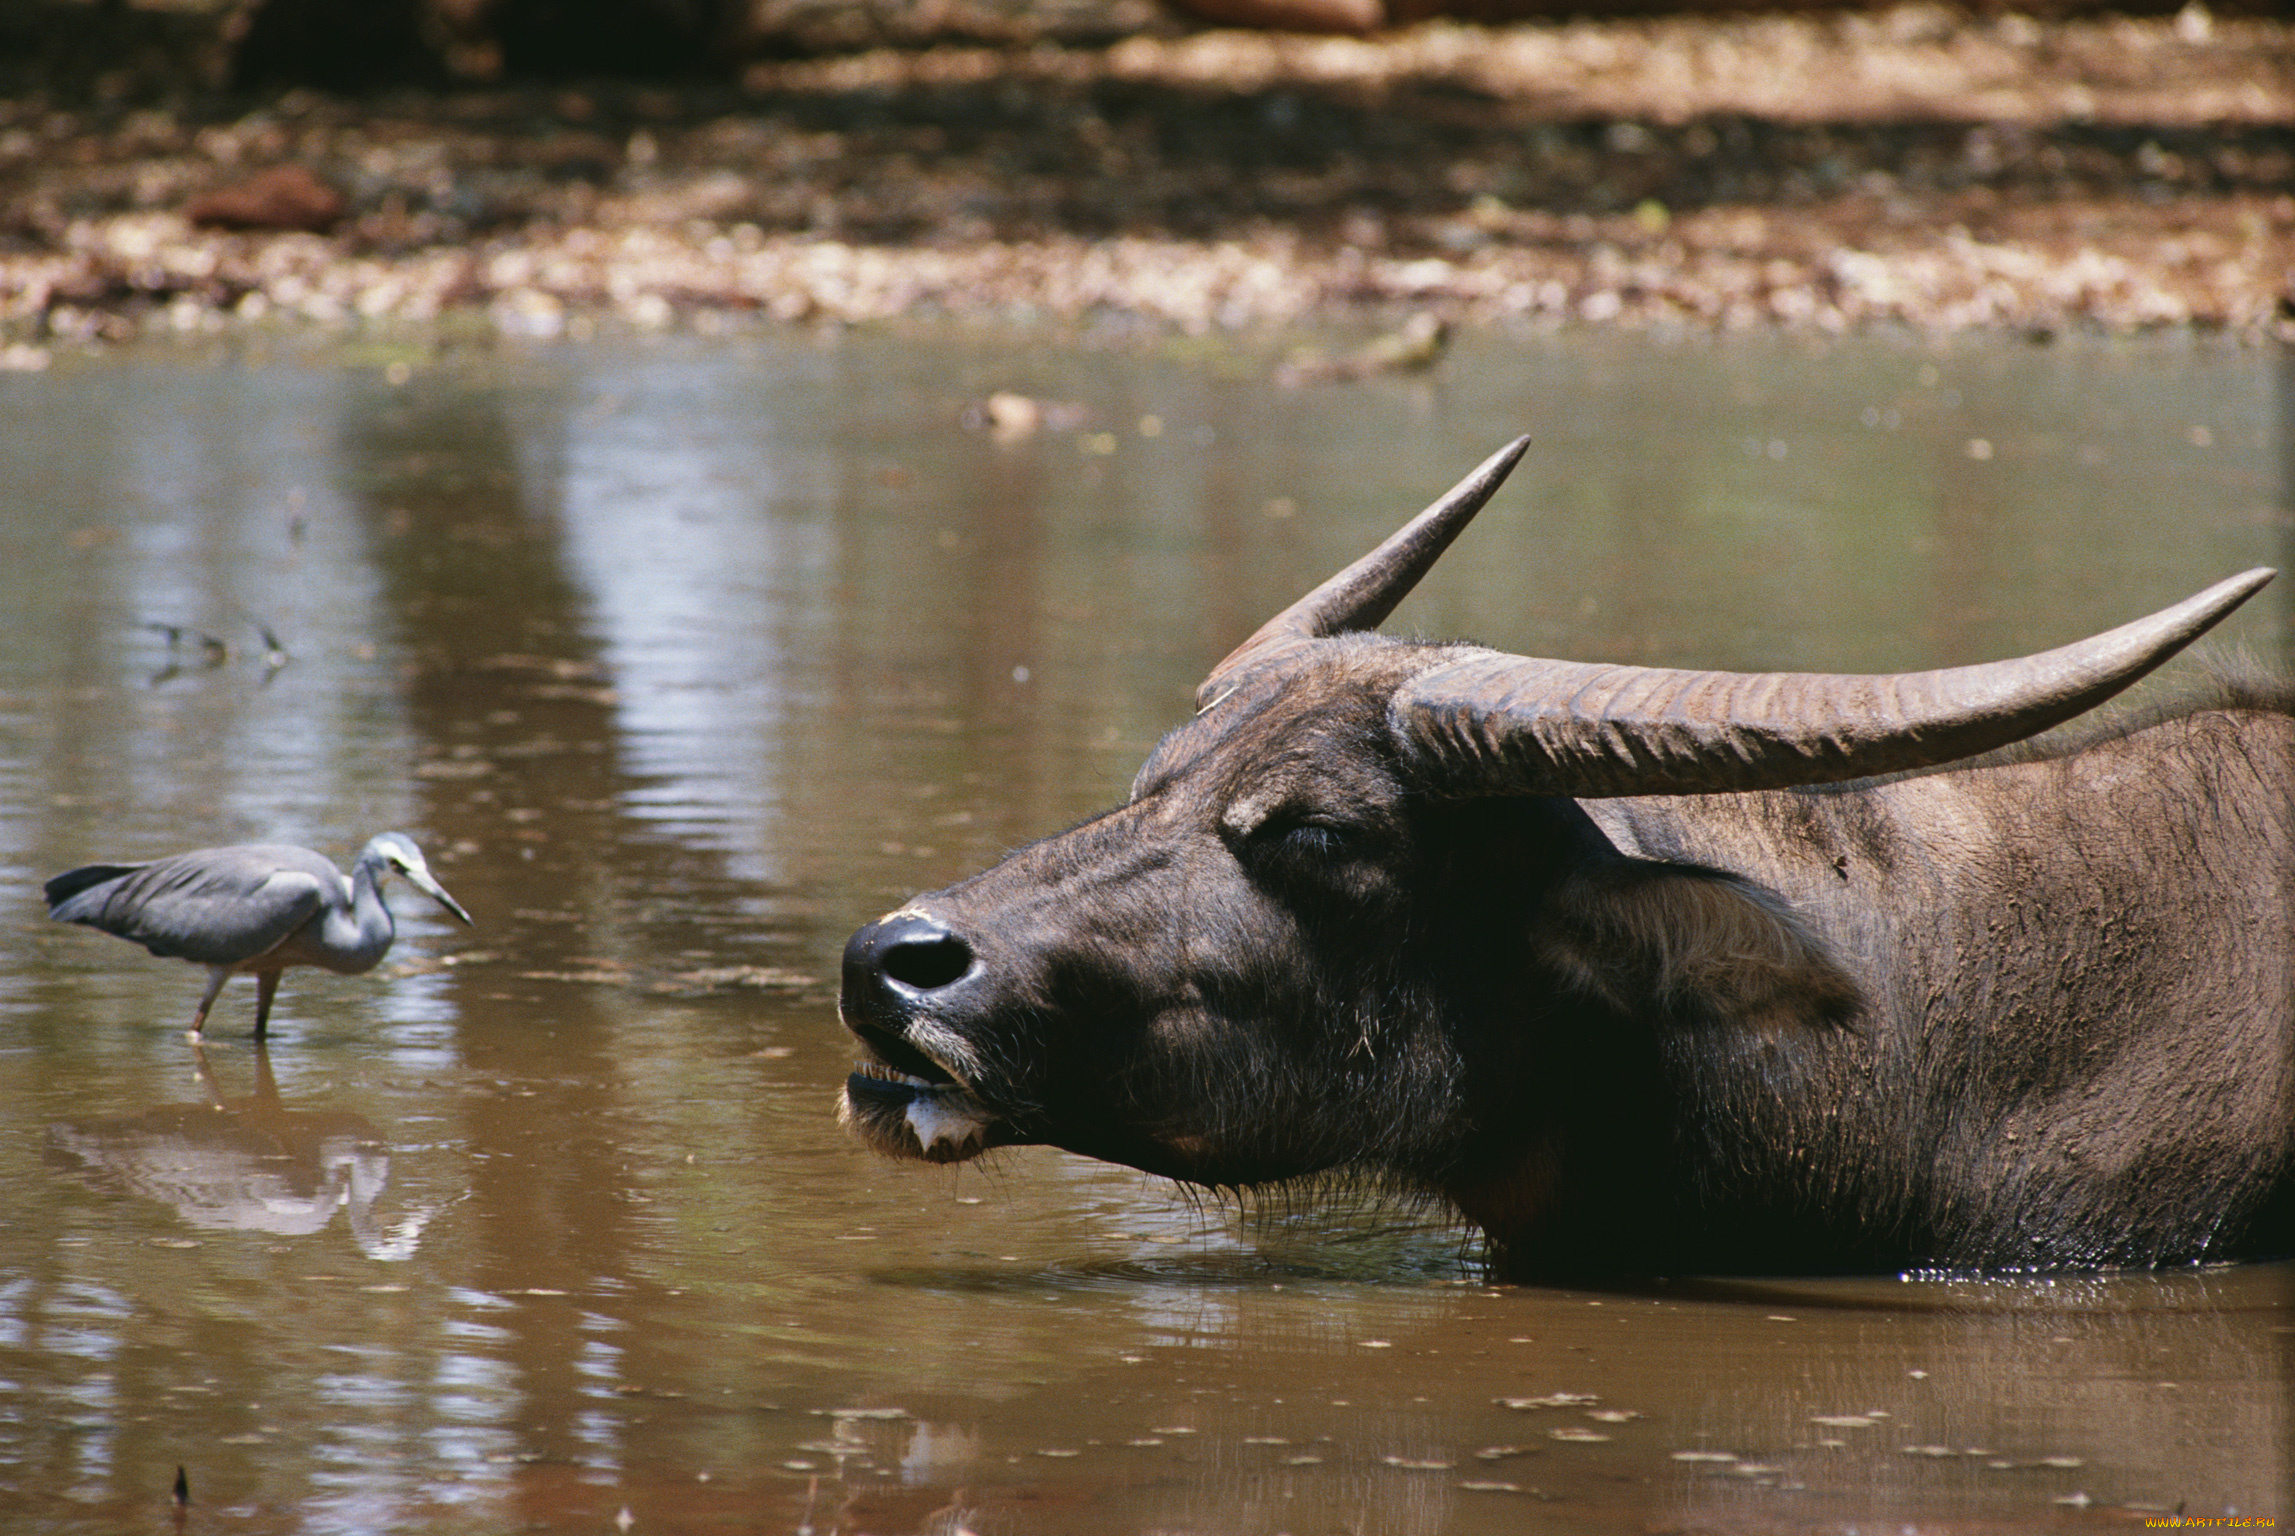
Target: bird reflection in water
245 1165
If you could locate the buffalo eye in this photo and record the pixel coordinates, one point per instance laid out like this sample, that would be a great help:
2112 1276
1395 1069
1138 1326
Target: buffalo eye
1308 851
1258 823
1303 834
1311 834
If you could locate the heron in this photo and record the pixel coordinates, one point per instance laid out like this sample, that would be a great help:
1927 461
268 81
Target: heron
257 907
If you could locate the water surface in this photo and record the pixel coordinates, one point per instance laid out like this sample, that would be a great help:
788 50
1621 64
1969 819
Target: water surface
681 658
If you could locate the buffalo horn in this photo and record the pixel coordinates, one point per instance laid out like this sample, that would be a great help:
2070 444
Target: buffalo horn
1367 591
1494 723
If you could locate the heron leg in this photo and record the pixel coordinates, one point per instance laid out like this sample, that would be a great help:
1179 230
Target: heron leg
217 975
266 988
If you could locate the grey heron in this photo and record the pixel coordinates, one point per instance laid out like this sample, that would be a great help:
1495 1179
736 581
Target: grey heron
258 907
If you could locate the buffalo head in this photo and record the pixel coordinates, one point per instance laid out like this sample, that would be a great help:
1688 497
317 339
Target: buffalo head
1353 912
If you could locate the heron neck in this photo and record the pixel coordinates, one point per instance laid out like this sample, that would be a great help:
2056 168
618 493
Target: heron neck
369 925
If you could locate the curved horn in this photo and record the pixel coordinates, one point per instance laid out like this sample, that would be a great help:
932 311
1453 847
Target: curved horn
1491 722
1367 591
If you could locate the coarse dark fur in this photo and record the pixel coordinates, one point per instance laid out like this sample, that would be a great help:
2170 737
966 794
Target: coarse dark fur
2032 1011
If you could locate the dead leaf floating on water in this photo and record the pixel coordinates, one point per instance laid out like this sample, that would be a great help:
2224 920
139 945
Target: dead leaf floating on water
454 768
720 978
1550 1400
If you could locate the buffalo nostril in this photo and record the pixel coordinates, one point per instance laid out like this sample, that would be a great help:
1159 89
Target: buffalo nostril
926 964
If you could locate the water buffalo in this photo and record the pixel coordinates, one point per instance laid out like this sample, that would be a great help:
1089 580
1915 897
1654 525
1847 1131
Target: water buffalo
1647 970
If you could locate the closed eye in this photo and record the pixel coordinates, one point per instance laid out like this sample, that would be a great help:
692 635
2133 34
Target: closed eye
1302 833
1313 837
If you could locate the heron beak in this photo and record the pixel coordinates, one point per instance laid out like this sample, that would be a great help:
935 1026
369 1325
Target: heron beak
421 881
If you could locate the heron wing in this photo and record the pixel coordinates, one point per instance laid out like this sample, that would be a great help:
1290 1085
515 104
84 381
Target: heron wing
219 906
65 892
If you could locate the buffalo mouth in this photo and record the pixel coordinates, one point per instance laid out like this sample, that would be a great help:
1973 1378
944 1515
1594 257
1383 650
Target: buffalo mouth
926 1116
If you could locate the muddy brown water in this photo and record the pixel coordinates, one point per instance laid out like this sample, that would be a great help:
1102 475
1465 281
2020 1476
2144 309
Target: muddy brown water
681 658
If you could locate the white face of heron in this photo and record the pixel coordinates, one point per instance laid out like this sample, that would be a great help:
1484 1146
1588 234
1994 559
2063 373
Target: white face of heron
399 854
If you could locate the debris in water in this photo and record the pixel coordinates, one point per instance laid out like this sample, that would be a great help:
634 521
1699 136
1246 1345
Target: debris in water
1723 1456
1413 347
1008 416
1615 1415
1550 1400
624 1520
1418 1464
182 1488
1504 1452
1576 1433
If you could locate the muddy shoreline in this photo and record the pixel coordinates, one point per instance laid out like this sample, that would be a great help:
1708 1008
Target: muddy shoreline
1912 167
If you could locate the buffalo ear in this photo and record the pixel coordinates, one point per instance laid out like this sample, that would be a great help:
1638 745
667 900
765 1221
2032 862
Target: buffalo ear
1691 945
